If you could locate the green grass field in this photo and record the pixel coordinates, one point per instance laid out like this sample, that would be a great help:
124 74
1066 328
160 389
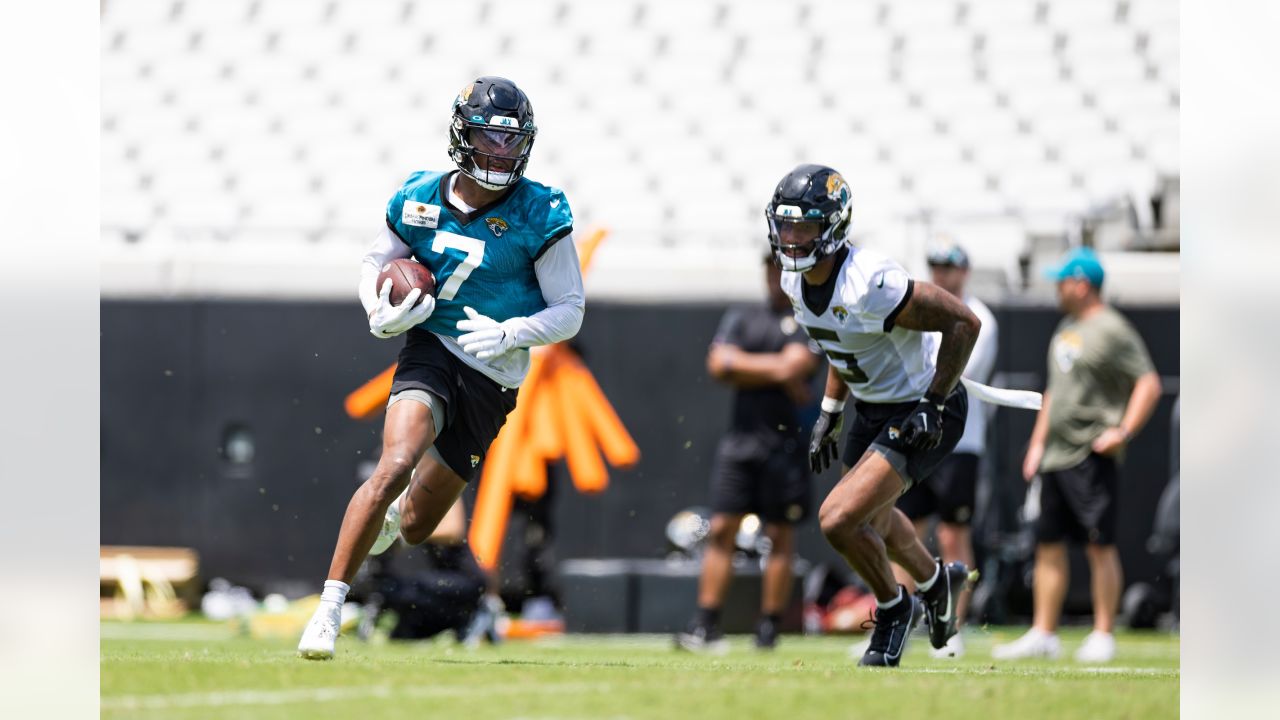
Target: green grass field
198 670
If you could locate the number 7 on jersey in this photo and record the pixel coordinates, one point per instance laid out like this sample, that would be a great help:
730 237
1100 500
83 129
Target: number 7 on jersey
475 255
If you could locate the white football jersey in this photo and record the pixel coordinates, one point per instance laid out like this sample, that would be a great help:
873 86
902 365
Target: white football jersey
880 362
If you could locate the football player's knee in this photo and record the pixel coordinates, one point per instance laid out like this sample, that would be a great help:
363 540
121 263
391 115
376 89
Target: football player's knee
390 478
836 521
723 530
414 535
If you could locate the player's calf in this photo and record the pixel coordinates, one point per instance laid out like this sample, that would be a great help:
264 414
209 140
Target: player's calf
941 598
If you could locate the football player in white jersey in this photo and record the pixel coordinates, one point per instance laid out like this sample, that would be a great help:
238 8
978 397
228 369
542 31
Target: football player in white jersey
881 331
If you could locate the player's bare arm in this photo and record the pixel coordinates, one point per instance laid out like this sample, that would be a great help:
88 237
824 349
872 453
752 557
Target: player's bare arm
932 309
731 364
1142 403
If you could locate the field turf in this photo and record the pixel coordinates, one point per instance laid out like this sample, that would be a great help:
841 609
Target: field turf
199 670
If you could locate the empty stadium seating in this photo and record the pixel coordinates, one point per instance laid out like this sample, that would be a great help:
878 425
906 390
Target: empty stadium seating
233 125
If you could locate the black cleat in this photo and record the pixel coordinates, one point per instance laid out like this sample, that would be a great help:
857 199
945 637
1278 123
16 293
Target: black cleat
766 634
892 627
702 639
940 602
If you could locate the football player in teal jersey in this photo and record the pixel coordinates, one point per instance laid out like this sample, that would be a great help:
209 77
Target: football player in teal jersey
507 279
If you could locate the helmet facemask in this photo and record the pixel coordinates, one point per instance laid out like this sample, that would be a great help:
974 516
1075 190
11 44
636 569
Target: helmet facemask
787 219
495 155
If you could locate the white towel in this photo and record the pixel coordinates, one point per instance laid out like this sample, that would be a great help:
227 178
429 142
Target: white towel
1024 399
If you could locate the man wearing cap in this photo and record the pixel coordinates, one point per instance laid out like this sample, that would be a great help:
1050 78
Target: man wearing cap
1102 389
949 491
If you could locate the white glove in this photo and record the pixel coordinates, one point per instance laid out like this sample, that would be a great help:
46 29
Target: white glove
487 339
389 320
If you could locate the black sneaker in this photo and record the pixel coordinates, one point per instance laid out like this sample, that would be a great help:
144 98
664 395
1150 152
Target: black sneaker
766 634
702 639
892 627
940 602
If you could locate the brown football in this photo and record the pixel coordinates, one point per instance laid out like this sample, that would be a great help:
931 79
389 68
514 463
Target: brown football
406 274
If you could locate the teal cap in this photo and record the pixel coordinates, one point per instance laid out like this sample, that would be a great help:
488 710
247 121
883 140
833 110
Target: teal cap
1081 263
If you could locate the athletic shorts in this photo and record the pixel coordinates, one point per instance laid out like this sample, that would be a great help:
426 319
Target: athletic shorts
476 407
769 479
1079 503
948 493
876 426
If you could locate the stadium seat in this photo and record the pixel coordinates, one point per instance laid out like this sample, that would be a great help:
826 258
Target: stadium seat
930 107
1082 15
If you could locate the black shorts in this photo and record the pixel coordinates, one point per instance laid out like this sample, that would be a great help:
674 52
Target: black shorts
1079 503
476 407
769 479
878 423
948 493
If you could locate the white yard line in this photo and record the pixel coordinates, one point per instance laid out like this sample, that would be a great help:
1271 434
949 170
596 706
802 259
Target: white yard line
314 695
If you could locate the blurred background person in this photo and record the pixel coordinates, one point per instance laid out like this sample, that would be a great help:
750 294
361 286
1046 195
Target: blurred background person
431 588
761 463
1101 391
949 493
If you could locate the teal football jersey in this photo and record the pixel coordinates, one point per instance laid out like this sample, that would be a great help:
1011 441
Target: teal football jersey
485 259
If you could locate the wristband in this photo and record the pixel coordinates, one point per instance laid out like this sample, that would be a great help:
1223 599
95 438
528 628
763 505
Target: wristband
832 405
935 399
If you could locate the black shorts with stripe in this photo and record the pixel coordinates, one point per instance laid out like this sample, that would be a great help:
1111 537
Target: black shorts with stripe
878 424
476 407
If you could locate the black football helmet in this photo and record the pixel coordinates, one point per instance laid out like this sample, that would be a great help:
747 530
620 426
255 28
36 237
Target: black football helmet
493 121
809 194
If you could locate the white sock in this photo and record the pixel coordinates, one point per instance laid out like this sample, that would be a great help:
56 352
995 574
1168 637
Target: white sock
924 586
891 603
335 591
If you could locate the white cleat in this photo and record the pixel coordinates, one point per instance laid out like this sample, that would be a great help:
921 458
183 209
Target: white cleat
390 528
1098 647
953 649
1034 644
321 633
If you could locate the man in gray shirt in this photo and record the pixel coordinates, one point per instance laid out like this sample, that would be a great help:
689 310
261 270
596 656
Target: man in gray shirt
1102 389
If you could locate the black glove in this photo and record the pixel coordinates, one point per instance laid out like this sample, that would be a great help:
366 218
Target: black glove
923 428
825 442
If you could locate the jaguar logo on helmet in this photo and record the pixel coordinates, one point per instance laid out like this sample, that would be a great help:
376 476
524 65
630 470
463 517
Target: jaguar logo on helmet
465 95
837 188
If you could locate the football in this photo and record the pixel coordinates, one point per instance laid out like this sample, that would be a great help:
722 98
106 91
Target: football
406 274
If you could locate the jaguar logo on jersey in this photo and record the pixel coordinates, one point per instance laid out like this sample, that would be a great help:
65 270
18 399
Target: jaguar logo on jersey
837 188
420 215
841 313
1067 348
475 460
497 225
894 433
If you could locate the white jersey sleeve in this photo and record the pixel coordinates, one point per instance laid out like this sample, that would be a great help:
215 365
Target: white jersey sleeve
888 289
385 248
560 278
